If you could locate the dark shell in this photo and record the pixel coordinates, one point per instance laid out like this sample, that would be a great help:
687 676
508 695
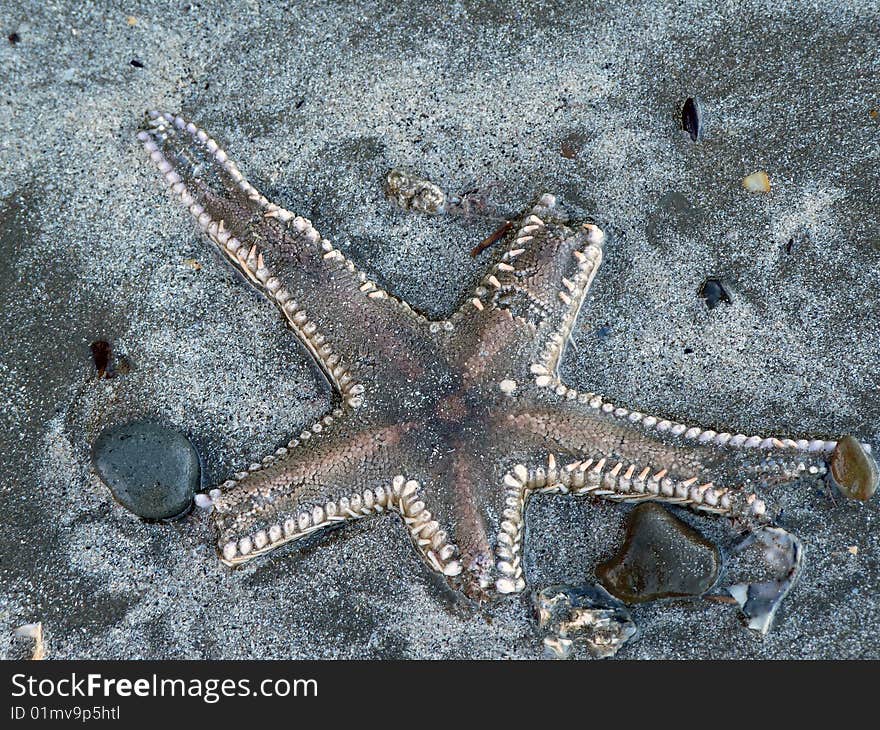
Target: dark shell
691 118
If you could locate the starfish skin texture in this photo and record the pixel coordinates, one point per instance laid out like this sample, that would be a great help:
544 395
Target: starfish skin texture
450 424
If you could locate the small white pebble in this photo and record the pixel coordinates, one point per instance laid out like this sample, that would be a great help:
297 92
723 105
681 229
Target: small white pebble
757 182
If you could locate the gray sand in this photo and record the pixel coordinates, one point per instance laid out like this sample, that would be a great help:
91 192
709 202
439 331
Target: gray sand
317 101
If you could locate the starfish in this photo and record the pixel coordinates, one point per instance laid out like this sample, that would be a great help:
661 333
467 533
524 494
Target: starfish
453 424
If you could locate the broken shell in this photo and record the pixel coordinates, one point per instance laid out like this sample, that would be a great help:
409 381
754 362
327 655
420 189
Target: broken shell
585 616
781 553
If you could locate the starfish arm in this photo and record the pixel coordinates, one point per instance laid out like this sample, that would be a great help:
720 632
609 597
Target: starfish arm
604 477
353 328
524 309
776 457
689 434
618 456
346 474
468 475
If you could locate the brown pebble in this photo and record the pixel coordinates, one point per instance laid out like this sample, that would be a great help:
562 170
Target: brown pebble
662 557
853 469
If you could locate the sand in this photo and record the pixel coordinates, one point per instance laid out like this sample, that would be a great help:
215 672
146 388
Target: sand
317 101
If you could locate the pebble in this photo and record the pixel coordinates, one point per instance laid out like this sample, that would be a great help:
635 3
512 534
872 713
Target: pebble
573 144
757 182
107 363
713 291
853 470
582 616
152 470
662 557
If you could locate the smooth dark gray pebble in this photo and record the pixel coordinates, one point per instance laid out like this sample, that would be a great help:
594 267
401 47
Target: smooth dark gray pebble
151 469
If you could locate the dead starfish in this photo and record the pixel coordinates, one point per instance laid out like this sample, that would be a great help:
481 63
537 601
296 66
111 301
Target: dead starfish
452 424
